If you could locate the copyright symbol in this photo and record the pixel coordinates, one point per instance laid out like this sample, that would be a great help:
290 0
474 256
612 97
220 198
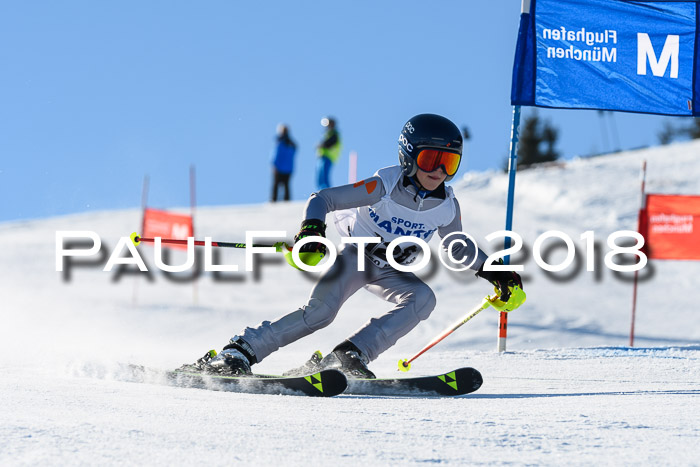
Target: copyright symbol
447 246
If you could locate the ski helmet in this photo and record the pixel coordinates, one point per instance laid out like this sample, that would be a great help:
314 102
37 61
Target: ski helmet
427 131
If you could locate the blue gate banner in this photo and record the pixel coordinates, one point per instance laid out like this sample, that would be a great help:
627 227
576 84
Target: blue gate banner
634 56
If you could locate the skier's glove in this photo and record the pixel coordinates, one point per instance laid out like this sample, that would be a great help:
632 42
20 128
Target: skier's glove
503 280
312 228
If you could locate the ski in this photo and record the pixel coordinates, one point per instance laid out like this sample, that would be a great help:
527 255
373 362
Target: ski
454 383
325 383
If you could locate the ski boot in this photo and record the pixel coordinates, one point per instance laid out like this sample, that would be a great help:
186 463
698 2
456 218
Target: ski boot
345 357
234 360
312 365
351 362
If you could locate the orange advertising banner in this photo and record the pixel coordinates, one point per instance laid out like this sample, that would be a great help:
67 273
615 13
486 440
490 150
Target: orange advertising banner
670 225
164 224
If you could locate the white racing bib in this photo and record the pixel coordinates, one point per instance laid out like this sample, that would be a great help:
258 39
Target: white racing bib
389 220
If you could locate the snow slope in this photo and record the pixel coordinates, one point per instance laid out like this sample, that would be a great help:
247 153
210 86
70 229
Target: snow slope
568 390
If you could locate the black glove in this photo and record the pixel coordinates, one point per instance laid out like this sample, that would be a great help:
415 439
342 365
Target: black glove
312 228
501 279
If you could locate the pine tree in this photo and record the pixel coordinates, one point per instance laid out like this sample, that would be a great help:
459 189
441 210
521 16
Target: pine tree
537 142
671 132
694 129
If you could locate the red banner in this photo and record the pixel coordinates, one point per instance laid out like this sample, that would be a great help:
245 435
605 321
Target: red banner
164 224
670 225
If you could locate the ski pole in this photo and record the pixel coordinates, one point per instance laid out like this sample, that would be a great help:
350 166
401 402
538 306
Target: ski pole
138 239
517 298
405 365
311 258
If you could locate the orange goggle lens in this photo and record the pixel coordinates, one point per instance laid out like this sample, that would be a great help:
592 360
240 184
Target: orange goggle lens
429 160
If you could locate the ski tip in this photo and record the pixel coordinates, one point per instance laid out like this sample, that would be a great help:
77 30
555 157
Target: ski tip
328 383
473 376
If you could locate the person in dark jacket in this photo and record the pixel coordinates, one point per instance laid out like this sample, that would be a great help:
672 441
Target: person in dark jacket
282 162
328 153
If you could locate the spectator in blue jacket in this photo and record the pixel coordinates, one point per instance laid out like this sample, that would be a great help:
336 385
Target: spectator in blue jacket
283 161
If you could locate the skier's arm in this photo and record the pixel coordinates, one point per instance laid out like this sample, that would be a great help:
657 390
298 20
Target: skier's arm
363 193
465 248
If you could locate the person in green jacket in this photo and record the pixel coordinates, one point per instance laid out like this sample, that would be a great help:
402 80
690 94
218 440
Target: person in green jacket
328 153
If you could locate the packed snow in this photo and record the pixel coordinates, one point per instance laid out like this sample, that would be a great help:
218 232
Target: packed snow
568 390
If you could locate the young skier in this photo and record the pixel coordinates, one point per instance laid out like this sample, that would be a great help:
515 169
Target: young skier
407 199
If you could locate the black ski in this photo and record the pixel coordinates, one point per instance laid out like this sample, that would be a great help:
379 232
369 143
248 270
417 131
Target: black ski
326 383
454 383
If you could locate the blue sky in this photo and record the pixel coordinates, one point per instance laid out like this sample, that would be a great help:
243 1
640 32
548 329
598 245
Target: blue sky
95 95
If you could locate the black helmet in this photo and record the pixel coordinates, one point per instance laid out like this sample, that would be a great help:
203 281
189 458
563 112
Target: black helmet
427 131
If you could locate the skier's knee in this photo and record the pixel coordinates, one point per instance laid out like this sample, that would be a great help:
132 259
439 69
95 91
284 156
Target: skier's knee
424 301
318 314
426 305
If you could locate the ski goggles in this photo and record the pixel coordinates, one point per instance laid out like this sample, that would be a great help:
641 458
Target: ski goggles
429 160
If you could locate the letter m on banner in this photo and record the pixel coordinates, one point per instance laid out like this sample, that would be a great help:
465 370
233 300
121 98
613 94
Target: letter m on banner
670 225
645 53
164 224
